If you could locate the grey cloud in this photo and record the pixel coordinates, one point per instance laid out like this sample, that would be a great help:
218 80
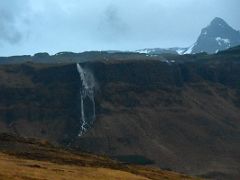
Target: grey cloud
112 26
10 17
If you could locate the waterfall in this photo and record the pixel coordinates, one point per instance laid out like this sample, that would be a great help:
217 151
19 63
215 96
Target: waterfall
88 111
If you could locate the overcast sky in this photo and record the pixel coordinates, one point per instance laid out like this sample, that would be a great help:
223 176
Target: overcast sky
30 26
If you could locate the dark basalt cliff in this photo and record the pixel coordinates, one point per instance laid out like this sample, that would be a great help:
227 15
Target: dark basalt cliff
182 116
39 101
170 114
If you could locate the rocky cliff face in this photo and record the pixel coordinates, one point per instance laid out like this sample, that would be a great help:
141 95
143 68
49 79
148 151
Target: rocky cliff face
39 101
182 116
169 114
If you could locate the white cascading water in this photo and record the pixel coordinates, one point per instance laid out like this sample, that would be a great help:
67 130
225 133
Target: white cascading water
86 92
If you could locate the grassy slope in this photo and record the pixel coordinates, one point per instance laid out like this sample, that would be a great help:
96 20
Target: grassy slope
17 168
30 159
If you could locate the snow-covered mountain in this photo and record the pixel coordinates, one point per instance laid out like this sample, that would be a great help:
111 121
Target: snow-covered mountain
217 36
158 51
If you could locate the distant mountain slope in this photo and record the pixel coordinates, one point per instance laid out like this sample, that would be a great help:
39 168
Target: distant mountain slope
159 51
71 57
215 37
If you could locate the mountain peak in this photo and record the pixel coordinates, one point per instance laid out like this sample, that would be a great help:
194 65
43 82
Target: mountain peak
215 37
218 21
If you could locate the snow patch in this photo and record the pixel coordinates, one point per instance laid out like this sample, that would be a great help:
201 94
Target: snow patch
221 41
181 51
190 49
143 51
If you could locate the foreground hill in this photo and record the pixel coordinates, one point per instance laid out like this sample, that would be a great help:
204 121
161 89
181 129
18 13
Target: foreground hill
22 158
174 112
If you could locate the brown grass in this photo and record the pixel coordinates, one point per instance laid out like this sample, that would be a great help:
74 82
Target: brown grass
15 168
22 158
